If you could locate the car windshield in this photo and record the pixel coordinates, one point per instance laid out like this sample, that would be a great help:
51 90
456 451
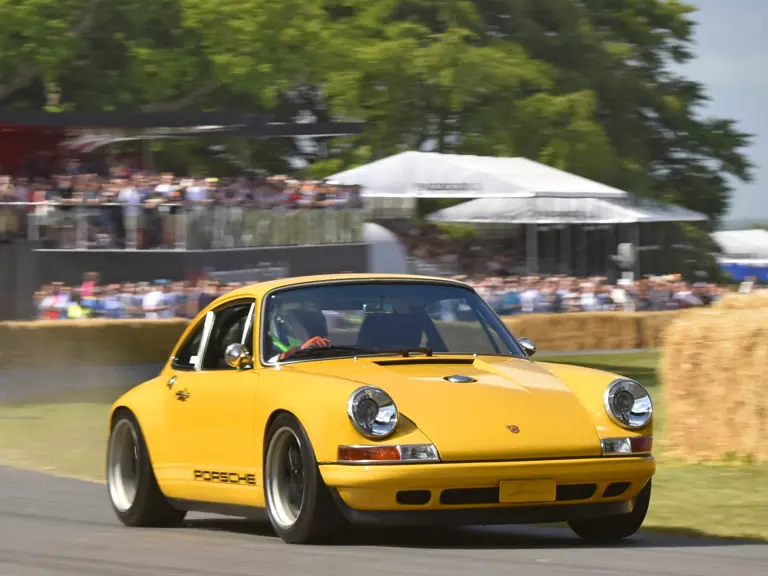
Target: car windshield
382 318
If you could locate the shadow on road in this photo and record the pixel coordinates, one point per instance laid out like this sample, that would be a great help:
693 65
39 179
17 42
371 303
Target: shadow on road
467 538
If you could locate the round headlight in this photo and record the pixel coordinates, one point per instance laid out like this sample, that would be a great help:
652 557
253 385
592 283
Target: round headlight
628 403
373 412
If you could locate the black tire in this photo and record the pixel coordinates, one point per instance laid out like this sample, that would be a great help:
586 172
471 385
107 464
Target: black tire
318 519
148 506
612 529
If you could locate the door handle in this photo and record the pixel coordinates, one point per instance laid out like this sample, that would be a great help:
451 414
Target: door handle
182 395
171 382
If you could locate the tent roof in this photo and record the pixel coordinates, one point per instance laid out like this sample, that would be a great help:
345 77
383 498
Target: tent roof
743 243
434 175
564 211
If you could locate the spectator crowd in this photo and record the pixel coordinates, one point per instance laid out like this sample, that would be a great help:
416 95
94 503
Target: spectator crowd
149 300
136 209
508 296
554 294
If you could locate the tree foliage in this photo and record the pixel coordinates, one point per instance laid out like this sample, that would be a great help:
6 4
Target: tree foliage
159 54
588 87
584 86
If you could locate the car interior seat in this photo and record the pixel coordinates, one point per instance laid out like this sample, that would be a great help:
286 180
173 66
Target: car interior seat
390 331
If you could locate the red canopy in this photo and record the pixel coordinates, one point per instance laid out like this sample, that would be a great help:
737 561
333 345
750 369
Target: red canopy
20 145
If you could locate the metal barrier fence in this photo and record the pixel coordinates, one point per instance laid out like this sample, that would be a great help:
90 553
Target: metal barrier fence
175 226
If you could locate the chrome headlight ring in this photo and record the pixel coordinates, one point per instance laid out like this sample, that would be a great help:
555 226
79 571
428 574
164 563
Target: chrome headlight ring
372 412
628 404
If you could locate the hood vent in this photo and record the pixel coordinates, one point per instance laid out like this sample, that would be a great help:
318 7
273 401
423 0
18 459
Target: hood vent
424 360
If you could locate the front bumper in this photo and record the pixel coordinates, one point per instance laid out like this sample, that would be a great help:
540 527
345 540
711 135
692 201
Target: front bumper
468 493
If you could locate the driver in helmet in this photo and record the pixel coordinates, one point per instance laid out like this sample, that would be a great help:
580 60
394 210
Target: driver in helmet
295 330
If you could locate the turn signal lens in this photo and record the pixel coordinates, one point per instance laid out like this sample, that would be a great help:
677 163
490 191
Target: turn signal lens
369 454
419 453
642 444
412 453
620 446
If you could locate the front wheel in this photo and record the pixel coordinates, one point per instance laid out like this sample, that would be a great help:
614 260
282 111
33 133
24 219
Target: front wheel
136 497
611 529
299 503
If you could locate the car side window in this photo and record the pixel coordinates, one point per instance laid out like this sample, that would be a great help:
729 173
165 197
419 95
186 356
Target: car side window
231 324
186 357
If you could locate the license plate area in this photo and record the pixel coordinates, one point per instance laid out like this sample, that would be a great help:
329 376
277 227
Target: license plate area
537 490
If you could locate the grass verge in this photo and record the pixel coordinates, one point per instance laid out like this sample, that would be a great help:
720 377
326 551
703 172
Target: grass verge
67 436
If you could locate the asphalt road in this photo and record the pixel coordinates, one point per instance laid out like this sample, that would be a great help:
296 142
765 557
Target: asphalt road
55 527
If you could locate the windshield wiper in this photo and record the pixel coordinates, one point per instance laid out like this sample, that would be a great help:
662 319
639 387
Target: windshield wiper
404 352
309 351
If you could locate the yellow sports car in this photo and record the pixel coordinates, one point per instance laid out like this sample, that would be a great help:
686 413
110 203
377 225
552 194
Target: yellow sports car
385 399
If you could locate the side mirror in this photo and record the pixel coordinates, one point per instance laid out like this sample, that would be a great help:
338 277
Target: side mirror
528 346
237 356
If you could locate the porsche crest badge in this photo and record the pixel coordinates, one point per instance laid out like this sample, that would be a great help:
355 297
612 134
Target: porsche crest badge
514 429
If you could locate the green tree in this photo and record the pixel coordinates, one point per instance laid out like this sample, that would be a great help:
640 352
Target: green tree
585 86
157 54
165 55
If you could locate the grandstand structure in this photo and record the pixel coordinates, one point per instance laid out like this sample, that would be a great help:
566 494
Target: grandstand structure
556 222
289 241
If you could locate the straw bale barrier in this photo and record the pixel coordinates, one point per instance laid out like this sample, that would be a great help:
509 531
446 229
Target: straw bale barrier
128 342
58 343
736 301
652 327
578 331
713 368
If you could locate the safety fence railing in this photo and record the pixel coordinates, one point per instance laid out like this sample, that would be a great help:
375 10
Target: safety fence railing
176 226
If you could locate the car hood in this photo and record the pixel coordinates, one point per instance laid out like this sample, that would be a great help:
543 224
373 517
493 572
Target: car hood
515 409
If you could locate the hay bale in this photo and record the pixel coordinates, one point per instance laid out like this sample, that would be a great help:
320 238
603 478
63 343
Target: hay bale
59 343
734 301
579 331
713 367
125 342
652 326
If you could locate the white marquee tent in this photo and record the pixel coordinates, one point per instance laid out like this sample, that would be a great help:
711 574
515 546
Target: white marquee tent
745 253
564 211
511 191
432 175
743 244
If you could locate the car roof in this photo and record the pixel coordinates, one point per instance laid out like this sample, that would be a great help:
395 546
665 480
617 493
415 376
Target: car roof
261 288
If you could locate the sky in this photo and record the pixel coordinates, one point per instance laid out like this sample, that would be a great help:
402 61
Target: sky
732 63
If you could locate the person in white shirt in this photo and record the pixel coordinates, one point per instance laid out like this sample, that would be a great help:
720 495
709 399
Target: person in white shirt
528 299
157 303
132 199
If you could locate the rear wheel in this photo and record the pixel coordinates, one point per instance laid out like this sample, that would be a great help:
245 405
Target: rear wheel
611 529
299 503
136 497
